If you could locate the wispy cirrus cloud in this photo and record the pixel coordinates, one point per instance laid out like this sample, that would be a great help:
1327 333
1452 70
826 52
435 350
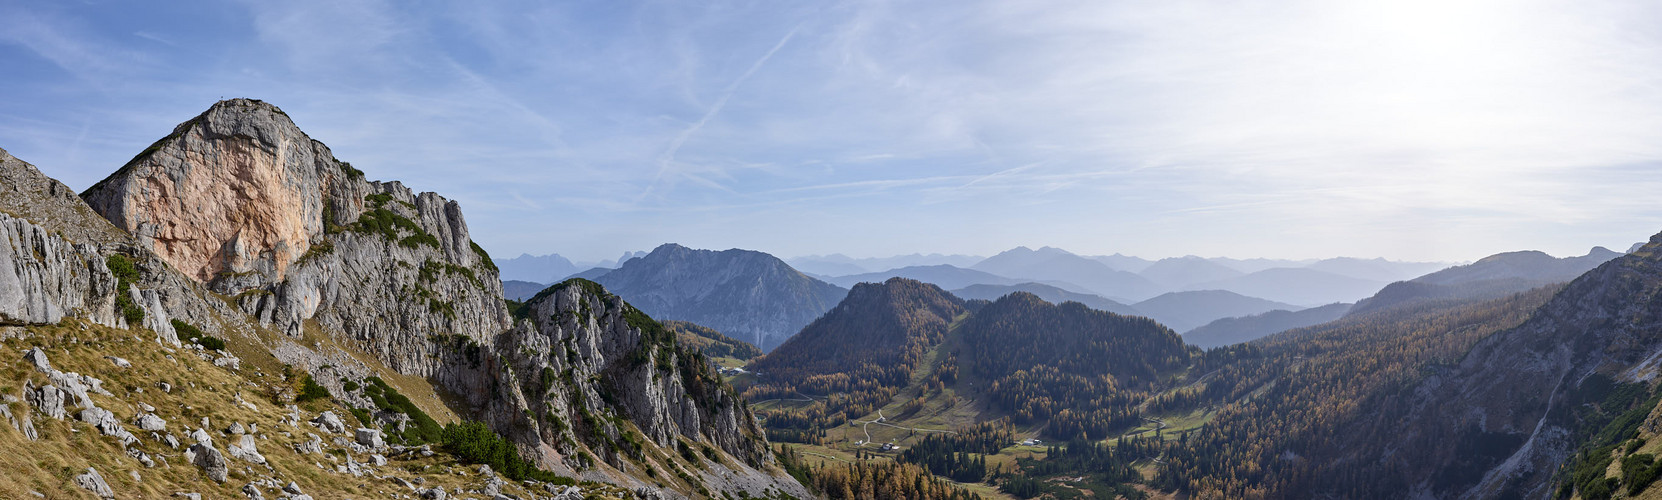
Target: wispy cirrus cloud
1409 129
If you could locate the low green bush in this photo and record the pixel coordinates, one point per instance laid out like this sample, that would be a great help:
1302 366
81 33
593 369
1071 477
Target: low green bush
473 442
310 391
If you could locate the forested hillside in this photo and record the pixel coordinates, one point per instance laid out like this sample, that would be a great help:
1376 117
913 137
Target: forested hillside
858 355
1287 416
1287 397
1084 370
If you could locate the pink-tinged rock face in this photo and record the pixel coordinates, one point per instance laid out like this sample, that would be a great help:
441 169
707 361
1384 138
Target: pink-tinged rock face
230 208
235 191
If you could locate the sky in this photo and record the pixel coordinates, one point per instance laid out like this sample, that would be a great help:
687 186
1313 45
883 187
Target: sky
1406 129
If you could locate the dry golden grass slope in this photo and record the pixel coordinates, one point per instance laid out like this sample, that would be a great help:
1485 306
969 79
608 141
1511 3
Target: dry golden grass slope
199 390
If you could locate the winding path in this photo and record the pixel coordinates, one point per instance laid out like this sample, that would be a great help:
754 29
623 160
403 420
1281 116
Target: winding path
880 418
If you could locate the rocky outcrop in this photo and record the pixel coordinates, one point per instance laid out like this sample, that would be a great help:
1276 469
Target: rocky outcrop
238 189
44 277
209 459
241 200
577 331
745 294
94 482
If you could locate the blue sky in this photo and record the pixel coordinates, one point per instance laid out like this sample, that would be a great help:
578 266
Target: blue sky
1422 130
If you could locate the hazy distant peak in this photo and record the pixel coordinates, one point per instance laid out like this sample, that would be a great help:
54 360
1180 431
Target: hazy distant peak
1514 256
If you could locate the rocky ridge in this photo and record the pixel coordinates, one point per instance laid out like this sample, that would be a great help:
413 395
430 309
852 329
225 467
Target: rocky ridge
305 261
1474 417
243 201
645 389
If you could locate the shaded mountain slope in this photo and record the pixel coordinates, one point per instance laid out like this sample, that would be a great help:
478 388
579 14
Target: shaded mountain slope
1084 370
1236 330
1054 264
1532 266
746 294
711 342
879 332
944 276
1286 402
520 290
1490 277
1183 311
1178 272
1598 329
1304 287
1049 293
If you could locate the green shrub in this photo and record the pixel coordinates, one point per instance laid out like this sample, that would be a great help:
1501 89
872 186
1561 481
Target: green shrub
425 430
351 173
483 256
363 416
125 275
123 268
186 331
388 224
129 311
190 334
473 442
211 343
1638 471
309 391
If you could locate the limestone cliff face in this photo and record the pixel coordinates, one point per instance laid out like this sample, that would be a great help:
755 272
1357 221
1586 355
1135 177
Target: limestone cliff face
401 274
44 278
237 190
242 200
52 249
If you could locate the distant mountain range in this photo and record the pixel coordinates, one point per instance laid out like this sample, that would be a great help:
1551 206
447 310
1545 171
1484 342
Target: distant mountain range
1180 272
744 294
1236 330
1054 264
943 275
1124 262
1197 290
1376 269
843 265
553 268
520 290
1493 276
1302 286
1116 278
1183 311
1049 293
1529 265
536 268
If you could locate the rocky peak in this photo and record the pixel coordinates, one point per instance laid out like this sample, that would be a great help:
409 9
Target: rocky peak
665 394
746 294
239 189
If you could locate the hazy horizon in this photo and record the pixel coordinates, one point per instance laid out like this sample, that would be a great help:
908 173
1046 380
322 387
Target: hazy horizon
1412 130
